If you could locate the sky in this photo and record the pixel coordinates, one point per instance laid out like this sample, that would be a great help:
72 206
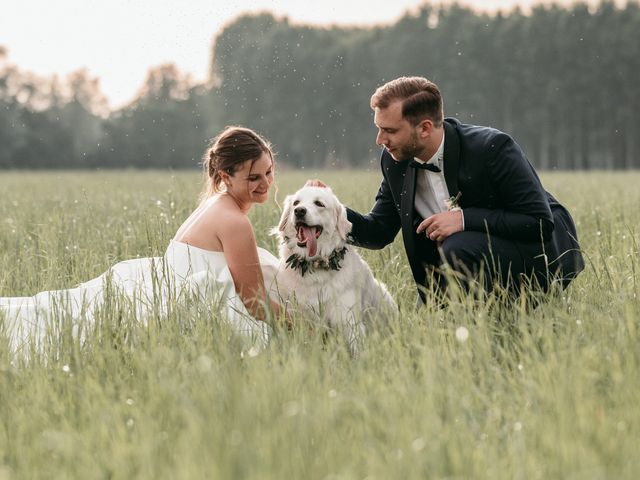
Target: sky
119 40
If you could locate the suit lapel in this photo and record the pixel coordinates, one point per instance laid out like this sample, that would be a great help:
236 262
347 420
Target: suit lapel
407 198
407 201
451 158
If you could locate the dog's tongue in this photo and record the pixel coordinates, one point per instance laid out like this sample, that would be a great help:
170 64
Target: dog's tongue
309 234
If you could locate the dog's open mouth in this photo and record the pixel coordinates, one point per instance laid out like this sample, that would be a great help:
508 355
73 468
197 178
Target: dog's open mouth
307 236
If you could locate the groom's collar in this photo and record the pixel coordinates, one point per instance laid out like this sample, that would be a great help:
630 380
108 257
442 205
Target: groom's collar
437 158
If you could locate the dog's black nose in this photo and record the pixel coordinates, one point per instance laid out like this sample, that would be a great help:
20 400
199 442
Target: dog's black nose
300 212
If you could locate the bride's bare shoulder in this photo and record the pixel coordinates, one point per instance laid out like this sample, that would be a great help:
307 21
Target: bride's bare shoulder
225 218
223 209
231 225
213 220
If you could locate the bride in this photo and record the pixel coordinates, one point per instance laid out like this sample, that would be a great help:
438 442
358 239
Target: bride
213 253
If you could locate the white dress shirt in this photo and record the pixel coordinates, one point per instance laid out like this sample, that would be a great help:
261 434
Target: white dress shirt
431 188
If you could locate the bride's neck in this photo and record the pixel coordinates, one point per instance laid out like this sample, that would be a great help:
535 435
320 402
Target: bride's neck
243 206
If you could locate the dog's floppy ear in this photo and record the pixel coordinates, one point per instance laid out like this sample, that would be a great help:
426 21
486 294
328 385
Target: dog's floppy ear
286 213
342 224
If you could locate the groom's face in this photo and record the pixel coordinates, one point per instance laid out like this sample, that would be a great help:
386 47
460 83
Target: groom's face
395 133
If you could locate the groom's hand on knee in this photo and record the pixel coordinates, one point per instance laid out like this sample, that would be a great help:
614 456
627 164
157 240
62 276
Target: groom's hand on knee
442 225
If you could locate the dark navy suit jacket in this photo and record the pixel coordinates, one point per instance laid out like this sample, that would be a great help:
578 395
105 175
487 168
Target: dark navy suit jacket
500 194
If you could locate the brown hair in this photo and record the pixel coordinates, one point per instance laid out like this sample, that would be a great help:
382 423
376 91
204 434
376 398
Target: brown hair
420 98
229 150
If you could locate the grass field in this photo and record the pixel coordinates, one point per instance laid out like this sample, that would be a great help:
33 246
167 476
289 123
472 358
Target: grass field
552 392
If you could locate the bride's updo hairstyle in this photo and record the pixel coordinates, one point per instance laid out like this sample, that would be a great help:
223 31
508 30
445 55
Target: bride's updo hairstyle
229 150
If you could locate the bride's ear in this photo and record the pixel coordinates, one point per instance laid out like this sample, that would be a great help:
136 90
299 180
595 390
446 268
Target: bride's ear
224 176
286 213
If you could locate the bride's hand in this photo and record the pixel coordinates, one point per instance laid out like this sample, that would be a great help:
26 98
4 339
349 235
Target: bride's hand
282 315
288 322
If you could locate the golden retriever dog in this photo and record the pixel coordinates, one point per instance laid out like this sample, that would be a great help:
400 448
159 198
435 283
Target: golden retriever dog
321 272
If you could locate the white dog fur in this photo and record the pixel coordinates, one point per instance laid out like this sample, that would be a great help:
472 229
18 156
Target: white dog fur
347 299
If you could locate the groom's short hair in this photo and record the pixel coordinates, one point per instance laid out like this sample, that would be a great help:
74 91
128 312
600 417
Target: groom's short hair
420 98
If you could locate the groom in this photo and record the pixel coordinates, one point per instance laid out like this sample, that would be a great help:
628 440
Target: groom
462 195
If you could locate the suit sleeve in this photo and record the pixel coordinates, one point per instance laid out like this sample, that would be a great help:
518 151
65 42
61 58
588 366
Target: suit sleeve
379 227
526 214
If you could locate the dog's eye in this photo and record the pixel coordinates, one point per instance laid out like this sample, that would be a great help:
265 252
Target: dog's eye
296 202
319 203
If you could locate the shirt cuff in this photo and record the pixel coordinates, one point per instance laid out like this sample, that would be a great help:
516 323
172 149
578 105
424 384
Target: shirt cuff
462 213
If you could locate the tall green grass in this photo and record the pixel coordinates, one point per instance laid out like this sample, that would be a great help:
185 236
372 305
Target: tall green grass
550 392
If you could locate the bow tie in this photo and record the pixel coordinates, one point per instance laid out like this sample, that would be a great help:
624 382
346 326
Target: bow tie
425 166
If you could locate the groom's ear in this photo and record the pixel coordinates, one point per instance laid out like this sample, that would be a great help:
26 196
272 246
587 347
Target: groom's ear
425 127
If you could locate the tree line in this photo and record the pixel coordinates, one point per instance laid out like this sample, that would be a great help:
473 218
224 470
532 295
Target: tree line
561 80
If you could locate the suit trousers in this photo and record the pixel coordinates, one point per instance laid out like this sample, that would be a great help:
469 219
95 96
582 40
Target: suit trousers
498 261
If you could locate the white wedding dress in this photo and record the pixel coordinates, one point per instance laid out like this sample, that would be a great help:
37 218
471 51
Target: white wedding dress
148 285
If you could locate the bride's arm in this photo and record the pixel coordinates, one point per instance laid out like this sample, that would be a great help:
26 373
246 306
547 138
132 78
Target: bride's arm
241 253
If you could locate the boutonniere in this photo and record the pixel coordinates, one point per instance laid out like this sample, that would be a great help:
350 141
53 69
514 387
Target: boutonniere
453 203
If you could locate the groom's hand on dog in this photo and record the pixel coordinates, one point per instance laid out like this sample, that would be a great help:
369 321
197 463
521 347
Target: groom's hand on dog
442 225
314 182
